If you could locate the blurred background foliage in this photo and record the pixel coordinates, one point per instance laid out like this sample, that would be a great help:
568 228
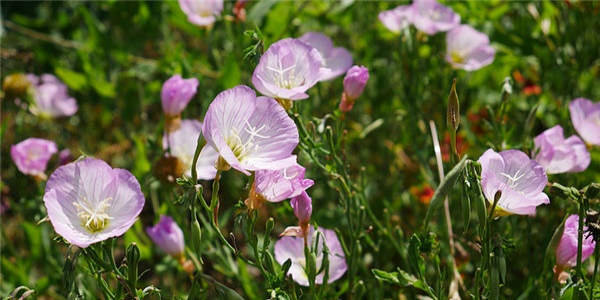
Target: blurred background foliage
115 55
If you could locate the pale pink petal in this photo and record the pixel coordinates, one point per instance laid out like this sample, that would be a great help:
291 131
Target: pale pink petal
287 69
432 17
585 116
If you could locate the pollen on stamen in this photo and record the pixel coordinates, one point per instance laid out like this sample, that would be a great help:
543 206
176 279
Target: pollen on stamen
94 219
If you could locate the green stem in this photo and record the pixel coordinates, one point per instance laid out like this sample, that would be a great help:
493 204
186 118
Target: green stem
596 253
578 272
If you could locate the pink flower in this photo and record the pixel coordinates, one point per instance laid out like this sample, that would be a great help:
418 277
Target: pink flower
302 206
432 17
278 185
32 155
468 49
521 181
182 144
585 116
201 12
354 85
566 252
292 248
337 59
88 201
50 97
558 155
398 18
167 236
250 133
176 94
287 69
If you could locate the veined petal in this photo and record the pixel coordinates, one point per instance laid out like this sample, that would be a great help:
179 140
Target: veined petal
585 116
287 69
520 179
88 201
205 168
250 133
292 248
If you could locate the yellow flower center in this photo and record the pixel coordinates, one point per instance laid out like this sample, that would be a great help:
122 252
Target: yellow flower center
457 57
93 218
286 78
242 150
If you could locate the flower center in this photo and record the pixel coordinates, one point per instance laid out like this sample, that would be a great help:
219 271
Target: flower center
512 180
93 218
244 149
457 57
203 10
434 14
286 78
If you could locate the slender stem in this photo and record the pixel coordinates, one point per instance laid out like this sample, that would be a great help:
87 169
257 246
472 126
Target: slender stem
214 201
578 271
596 253
44 37
438 157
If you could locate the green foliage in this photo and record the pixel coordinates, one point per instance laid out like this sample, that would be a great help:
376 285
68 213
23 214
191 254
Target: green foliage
369 165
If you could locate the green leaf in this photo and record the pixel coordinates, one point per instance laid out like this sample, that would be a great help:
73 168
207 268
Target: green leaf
34 239
472 186
414 256
440 193
104 88
389 277
257 13
223 292
75 81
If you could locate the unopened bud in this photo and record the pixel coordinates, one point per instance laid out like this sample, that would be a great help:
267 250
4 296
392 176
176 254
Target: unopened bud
592 191
453 113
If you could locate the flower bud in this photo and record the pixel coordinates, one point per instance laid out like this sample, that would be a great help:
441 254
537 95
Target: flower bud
176 94
302 206
168 236
592 191
453 112
354 85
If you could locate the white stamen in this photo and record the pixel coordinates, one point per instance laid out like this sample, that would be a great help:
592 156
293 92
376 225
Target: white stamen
94 218
513 179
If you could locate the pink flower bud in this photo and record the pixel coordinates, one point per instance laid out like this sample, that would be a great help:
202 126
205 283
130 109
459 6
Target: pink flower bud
354 85
167 235
302 206
176 94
